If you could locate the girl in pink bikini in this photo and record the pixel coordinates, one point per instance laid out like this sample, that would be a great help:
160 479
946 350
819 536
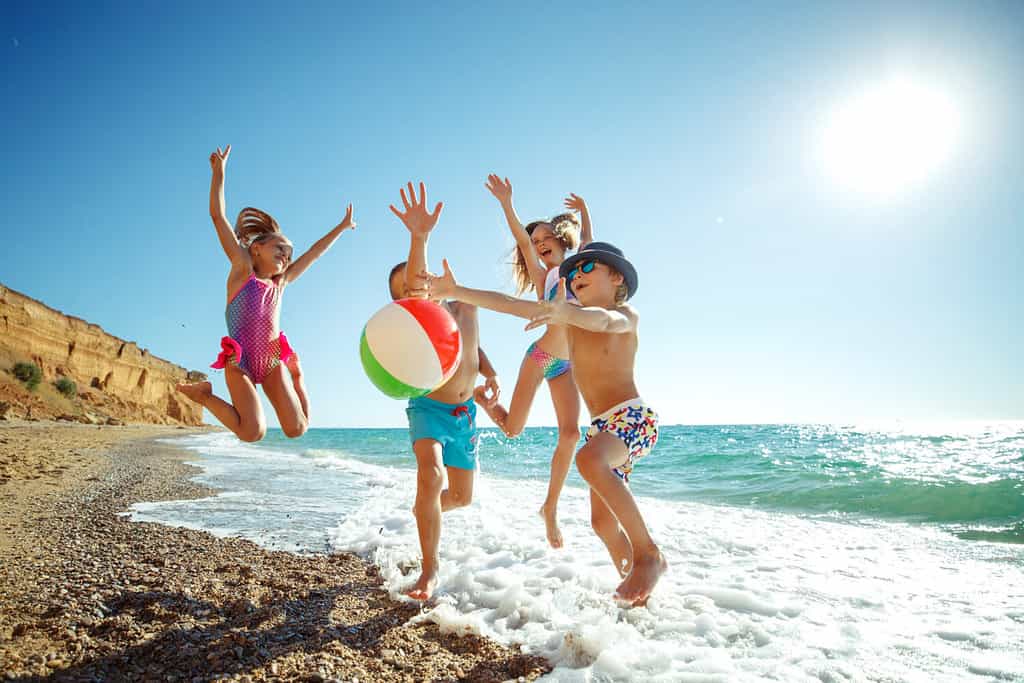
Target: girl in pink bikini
255 351
540 249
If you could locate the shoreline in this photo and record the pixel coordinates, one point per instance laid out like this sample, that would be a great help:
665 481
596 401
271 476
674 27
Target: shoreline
89 595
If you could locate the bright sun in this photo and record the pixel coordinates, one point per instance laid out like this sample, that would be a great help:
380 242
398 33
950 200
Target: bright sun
890 137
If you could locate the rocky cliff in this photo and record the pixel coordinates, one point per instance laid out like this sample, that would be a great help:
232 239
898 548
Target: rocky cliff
116 379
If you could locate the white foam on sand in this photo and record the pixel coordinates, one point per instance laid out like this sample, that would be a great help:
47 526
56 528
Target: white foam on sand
749 595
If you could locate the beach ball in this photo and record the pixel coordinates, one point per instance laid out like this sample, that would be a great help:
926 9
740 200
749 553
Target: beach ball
410 347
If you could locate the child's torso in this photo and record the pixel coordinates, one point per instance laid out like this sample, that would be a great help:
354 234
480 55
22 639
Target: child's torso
254 310
602 366
460 387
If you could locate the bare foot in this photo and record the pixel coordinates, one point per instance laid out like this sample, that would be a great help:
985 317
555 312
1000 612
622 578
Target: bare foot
198 392
424 586
551 524
637 586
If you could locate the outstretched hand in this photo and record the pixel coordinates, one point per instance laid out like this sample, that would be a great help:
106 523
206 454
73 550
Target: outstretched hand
442 286
347 223
554 312
416 219
575 203
219 159
501 189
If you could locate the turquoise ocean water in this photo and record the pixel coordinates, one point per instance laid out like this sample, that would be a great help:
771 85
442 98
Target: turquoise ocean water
967 480
796 552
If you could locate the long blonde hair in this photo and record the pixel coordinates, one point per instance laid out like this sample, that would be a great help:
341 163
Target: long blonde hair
565 227
253 225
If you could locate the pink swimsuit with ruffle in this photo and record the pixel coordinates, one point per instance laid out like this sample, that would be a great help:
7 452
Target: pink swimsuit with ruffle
254 343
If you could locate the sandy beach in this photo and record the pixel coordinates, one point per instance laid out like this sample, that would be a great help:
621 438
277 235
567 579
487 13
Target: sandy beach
87 595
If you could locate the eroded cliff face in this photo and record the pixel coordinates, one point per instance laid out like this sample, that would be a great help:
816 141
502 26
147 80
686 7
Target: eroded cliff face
115 377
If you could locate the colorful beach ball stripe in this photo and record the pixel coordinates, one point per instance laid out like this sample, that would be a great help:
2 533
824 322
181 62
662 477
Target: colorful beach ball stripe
410 347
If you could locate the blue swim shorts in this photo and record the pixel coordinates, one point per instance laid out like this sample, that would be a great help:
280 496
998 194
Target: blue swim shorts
453 425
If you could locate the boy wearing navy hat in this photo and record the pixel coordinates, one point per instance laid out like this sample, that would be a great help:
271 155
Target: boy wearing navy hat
602 347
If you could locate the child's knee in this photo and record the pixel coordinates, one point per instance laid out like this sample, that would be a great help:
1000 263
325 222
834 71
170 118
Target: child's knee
293 430
252 433
430 479
459 498
569 433
590 465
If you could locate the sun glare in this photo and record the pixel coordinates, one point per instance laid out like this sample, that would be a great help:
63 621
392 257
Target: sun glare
889 138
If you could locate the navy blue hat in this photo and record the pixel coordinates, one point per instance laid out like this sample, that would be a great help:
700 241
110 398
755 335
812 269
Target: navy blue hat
607 254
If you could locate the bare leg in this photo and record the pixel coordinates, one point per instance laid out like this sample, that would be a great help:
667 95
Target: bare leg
286 404
595 462
513 420
566 398
427 509
460 489
608 530
298 384
243 416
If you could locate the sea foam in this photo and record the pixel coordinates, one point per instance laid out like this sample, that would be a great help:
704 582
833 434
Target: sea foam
750 595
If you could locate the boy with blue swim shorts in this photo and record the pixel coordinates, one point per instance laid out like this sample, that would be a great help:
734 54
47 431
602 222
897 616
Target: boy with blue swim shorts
603 342
453 425
442 424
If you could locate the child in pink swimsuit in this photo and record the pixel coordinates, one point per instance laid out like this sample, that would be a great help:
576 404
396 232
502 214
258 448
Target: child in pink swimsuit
255 351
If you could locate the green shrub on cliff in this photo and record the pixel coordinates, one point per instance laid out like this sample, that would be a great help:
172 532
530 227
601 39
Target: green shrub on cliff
66 387
29 373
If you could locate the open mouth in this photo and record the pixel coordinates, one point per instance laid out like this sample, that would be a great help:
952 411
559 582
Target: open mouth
544 253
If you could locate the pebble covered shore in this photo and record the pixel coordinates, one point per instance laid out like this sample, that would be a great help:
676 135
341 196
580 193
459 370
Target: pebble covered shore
86 595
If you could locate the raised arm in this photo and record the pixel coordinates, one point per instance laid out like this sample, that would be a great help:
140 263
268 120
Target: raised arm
419 223
299 265
502 191
577 203
225 233
445 287
594 318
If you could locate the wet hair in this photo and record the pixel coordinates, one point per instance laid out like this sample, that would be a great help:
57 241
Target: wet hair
391 276
254 225
566 228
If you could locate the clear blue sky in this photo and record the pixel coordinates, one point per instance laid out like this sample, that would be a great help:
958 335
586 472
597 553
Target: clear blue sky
769 290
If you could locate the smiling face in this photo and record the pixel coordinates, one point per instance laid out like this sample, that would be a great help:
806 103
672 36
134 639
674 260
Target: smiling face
548 247
596 284
271 255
